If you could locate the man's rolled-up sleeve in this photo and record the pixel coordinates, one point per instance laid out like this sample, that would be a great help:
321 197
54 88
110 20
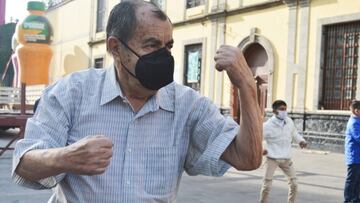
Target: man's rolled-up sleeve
210 135
48 128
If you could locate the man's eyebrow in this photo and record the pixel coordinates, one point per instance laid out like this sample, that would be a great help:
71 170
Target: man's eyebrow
151 40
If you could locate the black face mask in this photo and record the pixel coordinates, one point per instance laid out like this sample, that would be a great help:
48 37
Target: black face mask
154 70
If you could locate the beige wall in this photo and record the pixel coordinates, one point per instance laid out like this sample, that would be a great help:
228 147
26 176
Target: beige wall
175 13
253 2
183 37
233 4
319 10
71 35
271 24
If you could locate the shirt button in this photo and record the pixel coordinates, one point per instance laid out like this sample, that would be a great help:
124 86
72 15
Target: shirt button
127 182
129 150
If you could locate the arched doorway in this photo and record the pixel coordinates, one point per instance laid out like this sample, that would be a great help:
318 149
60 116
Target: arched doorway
258 61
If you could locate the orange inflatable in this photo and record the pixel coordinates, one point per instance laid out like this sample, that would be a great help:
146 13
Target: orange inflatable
34 53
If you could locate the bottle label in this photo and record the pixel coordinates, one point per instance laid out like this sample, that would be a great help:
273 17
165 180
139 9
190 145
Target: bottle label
37 29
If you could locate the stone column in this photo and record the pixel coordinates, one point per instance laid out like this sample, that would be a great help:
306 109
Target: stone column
217 39
295 92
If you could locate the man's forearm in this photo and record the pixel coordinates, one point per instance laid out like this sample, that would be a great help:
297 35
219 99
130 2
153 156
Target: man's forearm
245 152
90 155
39 164
249 138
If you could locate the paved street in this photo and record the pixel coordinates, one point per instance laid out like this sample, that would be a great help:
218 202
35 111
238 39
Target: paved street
320 174
321 180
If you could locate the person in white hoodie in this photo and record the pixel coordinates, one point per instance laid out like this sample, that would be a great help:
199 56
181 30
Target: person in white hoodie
279 132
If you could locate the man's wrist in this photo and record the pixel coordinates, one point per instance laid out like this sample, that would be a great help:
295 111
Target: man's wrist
247 90
246 85
58 160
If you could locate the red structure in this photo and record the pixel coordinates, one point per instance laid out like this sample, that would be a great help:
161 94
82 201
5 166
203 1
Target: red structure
13 119
30 56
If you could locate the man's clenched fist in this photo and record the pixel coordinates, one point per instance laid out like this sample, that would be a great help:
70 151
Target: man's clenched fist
88 156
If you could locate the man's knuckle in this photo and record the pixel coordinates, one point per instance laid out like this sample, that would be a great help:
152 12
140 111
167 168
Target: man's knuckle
107 162
87 144
93 152
100 171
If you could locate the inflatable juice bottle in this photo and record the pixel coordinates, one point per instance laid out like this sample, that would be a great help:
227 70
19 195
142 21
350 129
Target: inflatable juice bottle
34 54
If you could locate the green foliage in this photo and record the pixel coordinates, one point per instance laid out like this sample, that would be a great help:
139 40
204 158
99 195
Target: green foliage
6 33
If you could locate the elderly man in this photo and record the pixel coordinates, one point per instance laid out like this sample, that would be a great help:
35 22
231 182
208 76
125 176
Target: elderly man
127 133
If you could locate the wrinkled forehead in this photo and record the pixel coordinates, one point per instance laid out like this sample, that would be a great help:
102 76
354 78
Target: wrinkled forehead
150 25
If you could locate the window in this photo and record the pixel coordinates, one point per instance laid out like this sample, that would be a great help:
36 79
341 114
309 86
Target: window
341 54
100 15
192 70
99 63
159 3
194 3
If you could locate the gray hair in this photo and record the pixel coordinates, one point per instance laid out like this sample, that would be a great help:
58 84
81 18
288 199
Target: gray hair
122 21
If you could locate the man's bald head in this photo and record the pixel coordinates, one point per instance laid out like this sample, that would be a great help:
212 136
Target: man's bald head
123 21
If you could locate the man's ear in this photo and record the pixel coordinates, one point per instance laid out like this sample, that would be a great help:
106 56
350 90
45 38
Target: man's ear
357 111
113 45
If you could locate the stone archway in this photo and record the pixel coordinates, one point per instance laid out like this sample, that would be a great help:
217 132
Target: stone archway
259 55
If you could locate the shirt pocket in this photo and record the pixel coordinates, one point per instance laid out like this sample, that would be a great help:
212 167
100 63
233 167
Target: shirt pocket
161 170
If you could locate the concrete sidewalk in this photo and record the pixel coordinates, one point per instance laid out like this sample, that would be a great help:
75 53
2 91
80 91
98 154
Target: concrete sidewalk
320 176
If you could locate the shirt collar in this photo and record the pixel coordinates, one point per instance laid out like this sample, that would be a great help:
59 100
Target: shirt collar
164 98
278 121
111 88
355 117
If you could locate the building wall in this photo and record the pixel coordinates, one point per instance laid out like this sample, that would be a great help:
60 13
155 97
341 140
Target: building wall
290 28
293 31
251 2
183 37
225 30
275 30
71 35
339 10
176 13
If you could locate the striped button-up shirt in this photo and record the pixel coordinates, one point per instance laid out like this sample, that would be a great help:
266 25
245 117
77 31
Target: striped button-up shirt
176 130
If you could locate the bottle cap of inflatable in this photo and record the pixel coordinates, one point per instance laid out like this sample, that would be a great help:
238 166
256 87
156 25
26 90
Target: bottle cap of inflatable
36 6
